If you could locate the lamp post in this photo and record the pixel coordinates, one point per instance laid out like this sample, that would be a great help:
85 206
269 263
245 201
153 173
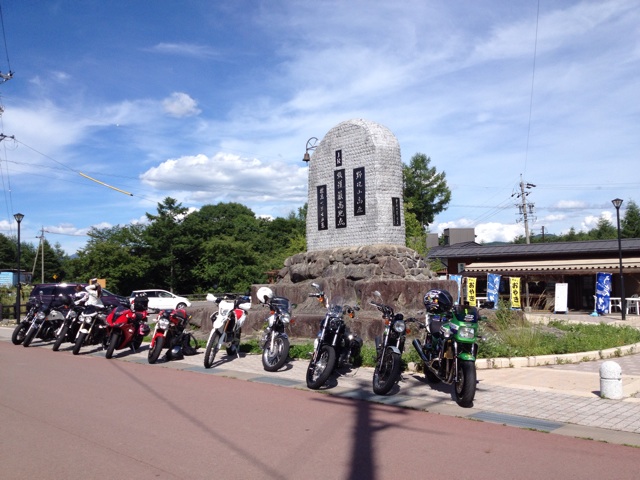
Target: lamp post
18 217
618 203
312 143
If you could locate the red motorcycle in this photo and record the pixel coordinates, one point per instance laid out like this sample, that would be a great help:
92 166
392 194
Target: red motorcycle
127 327
169 333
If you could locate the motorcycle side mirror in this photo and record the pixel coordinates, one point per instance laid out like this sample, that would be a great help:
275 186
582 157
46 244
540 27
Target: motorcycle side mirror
211 297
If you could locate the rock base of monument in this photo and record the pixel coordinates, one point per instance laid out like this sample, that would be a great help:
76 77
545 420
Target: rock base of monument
399 273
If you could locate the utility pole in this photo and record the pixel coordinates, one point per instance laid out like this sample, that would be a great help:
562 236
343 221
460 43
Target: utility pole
525 208
526 211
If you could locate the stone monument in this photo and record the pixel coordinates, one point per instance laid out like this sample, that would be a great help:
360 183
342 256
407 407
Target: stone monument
355 188
355 232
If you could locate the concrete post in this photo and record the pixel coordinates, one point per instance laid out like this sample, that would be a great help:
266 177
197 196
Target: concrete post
611 380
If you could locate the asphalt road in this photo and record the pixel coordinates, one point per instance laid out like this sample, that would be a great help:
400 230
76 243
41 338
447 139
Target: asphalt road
85 417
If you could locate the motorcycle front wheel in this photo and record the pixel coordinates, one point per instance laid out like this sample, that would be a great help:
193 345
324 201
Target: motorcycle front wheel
319 371
114 340
211 350
465 386
61 337
156 350
19 333
79 343
31 334
386 373
274 359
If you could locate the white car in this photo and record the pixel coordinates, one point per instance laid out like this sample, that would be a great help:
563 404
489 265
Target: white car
161 299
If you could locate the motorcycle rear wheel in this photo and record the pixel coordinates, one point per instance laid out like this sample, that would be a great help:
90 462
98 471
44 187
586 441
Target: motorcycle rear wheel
19 333
319 371
211 350
114 340
465 387
31 334
387 372
156 350
79 342
61 337
273 360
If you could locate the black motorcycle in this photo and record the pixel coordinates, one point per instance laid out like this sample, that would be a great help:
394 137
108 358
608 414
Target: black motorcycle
48 319
274 341
93 327
335 345
23 326
70 326
389 348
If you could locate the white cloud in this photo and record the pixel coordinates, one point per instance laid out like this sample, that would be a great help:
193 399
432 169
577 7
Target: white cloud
184 49
180 104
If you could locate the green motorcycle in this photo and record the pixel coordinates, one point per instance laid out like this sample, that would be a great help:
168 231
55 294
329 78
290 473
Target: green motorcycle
450 348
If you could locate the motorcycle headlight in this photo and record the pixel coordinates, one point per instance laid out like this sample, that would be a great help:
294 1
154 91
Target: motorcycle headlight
399 326
271 320
286 318
163 323
40 316
466 332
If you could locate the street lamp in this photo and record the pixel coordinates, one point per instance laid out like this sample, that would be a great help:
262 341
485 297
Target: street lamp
618 203
18 217
312 143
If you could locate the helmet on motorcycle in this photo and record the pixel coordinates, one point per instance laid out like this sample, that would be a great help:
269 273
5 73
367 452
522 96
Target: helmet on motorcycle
438 301
175 353
264 294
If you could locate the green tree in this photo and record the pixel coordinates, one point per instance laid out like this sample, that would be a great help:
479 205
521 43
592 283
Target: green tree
8 252
604 230
416 235
165 245
425 190
630 224
116 254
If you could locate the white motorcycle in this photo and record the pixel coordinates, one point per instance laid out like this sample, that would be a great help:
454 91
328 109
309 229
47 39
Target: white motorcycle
227 325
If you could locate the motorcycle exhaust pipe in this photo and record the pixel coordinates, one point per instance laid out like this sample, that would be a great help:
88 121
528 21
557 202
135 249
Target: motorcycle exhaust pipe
418 347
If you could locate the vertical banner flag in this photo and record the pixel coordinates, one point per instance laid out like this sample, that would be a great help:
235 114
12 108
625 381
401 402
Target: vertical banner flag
603 292
471 291
458 280
515 292
493 289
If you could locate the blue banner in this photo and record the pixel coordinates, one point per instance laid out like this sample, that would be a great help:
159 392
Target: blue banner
603 292
458 280
493 288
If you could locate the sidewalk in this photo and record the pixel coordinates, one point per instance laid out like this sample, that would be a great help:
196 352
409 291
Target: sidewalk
561 399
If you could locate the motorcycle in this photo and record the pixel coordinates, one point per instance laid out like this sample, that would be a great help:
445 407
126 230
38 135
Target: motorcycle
48 319
168 332
449 350
127 327
70 326
274 341
389 348
93 327
227 325
17 337
335 346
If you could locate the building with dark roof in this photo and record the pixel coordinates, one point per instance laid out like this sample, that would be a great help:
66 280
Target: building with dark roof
542 265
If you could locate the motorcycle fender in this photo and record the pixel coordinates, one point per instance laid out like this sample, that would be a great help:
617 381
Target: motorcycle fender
156 335
84 330
394 349
241 316
213 330
466 356
218 321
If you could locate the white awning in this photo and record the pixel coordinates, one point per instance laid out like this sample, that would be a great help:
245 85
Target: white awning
560 266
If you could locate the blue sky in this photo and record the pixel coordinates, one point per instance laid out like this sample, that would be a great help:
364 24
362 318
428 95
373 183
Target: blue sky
214 101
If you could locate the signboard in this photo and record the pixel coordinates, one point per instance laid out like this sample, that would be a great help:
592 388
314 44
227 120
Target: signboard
562 290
